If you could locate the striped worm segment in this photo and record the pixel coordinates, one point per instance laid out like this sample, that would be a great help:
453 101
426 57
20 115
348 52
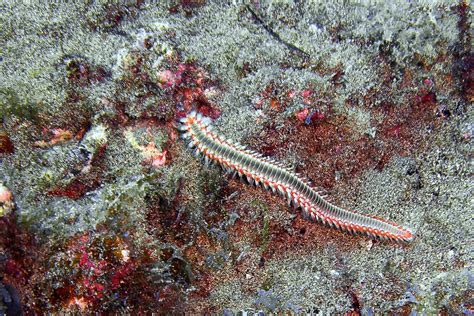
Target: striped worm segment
272 175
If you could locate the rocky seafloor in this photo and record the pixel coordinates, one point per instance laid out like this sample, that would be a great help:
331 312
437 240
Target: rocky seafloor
104 209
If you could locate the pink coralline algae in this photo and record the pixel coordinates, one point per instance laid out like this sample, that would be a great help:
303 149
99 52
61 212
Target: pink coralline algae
302 115
308 116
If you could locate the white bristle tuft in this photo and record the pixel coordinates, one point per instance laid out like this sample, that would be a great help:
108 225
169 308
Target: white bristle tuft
280 189
206 121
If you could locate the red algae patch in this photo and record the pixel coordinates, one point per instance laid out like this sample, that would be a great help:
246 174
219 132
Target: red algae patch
6 145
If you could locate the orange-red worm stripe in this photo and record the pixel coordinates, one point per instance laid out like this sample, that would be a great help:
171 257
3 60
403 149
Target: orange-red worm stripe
271 174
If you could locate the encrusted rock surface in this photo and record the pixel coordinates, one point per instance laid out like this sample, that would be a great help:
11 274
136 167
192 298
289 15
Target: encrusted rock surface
108 211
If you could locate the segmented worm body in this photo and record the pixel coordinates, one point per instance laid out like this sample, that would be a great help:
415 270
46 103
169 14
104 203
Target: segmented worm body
273 175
